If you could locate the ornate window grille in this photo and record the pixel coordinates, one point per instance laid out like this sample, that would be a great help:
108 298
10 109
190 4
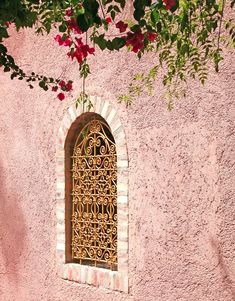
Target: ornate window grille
92 200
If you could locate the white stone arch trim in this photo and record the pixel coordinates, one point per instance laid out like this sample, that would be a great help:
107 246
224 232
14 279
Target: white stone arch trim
115 280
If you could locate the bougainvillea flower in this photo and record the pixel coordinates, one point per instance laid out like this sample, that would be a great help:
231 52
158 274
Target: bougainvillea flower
169 4
61 96
81 51
151 36
121 26
67 41
72 25
108 20
87 49
76 54
58 39
54 89
62 42
79 41
69 12
135 40
62 83
69 86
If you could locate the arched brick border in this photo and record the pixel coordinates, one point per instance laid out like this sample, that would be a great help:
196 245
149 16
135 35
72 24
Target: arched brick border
116 280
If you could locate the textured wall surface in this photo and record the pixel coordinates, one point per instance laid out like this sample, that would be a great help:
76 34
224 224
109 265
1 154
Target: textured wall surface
181 182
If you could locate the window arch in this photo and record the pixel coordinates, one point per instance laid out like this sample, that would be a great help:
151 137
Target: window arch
91 193
112 274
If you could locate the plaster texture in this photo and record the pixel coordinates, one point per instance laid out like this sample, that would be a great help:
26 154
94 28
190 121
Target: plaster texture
181 181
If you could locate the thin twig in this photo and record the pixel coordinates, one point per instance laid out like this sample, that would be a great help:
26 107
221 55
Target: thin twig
102 9
220 24
84 83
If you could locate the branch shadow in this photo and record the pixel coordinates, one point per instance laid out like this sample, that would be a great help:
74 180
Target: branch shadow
226 273
12 234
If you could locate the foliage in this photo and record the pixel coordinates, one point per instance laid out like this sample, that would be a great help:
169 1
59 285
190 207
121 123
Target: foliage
184 35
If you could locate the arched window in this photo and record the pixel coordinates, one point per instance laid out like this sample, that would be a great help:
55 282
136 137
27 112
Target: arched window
91 193
92 197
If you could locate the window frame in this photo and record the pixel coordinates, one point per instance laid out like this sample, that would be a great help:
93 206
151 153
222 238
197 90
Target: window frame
115 280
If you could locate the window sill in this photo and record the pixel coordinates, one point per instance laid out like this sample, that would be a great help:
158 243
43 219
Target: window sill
98 277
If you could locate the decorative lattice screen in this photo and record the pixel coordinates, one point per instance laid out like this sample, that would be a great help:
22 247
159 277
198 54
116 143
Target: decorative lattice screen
94 197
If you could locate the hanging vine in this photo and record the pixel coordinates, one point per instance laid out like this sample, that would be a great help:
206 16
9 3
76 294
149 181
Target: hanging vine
185 36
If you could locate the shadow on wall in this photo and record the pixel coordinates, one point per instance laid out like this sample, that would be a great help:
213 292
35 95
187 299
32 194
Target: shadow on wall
226 272
12 234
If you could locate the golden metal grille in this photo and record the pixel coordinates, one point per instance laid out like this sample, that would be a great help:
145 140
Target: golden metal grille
94 197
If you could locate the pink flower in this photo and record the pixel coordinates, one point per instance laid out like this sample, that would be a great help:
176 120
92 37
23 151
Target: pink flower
72 25
58 39
61 96
151 36
121 26
76 54
135 40
62 83
69 12
69 86
91 50
79 41
66 42
81 51
54 89
108 20
169 4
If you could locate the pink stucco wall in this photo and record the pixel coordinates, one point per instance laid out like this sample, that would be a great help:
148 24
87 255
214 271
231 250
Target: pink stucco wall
181 182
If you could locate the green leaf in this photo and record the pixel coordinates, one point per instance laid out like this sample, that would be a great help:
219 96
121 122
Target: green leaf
148 2
138 14
7 69
83 23
109 45
3 33
183 4
10 59
97 20
184 21
184 49
109 9
118 43
135 28
116 8
2 60
90 16
41 84
142 23
173 38
154 16
113 14
121 2
100 41
13 75
80 11
159 26
3 49
91 7
62 28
